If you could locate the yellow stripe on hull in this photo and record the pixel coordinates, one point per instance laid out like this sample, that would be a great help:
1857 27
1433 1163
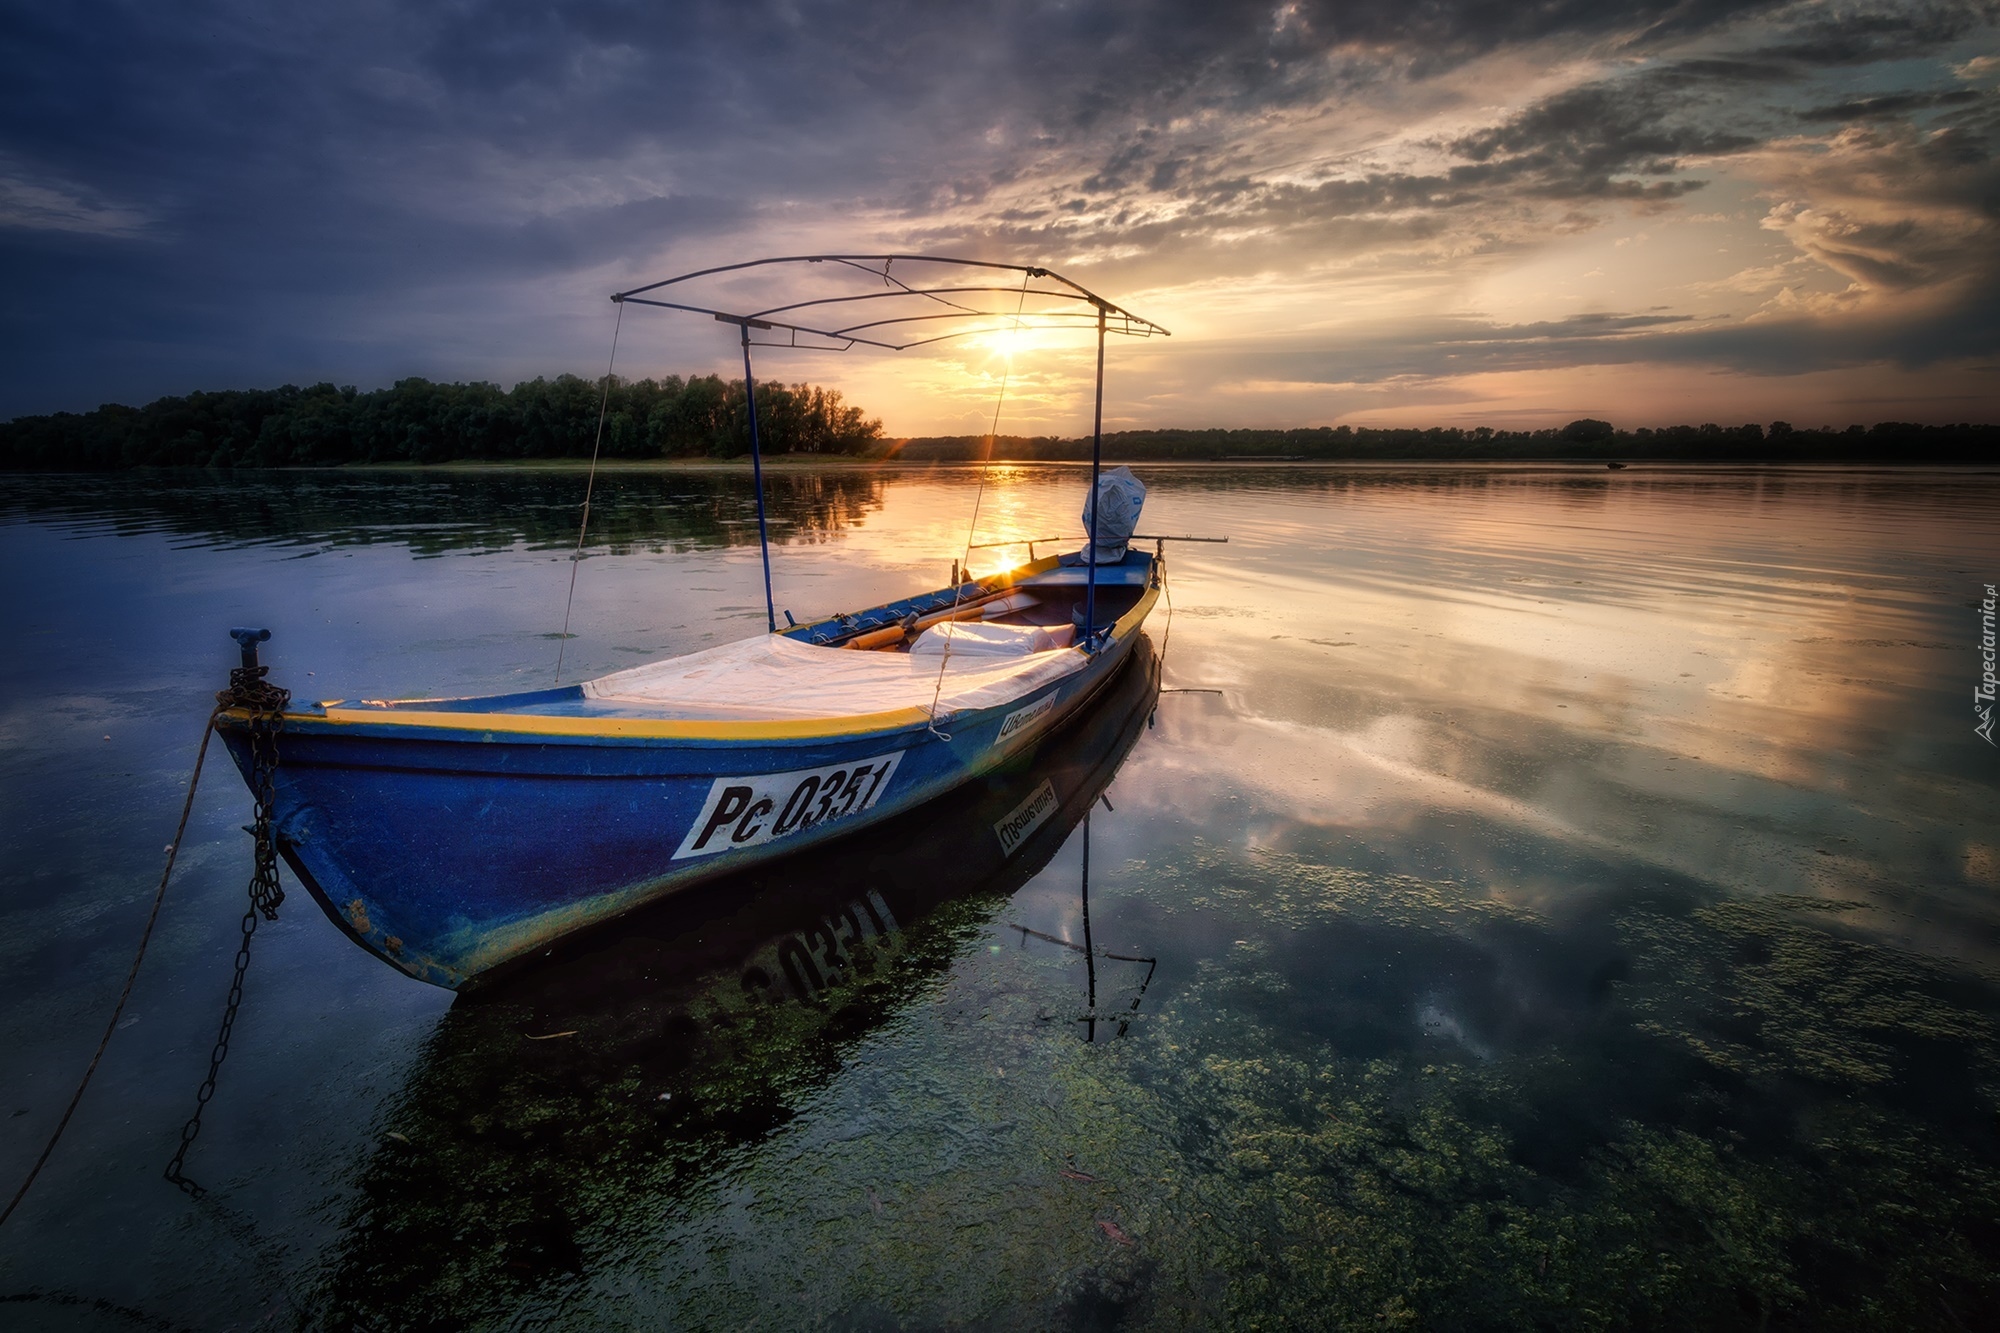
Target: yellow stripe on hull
631 728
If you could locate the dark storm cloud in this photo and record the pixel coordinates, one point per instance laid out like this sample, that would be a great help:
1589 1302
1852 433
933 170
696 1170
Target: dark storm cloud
1890 104
1627 139
1432 350
1908 197
1712 70
222 193
1833 35
1575 143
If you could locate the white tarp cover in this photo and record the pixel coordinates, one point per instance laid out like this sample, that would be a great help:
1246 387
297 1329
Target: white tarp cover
1120 497
775 677
977 639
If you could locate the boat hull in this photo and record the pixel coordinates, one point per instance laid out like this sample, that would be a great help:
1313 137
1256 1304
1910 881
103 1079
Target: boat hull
448 852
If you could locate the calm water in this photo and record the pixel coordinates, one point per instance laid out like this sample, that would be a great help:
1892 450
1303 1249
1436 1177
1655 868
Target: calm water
1574 906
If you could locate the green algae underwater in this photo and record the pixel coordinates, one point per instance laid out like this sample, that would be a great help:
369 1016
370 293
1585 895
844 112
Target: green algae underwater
1765 1147
1575 911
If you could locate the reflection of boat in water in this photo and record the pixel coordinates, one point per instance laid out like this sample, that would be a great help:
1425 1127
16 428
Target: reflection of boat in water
587 1086
449 836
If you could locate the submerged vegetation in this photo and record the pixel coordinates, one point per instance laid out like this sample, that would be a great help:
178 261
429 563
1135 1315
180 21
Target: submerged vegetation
704 416
1625 1179
1745 1117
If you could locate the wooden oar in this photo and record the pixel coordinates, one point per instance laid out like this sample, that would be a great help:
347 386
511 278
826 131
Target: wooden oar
894 634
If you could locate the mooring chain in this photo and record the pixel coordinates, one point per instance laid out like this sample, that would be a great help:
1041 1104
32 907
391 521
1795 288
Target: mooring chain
247 689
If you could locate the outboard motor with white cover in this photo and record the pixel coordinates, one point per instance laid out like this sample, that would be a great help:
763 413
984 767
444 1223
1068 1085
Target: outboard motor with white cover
1120 496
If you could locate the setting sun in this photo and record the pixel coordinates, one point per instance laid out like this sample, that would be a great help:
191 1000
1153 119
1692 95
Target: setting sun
1008 343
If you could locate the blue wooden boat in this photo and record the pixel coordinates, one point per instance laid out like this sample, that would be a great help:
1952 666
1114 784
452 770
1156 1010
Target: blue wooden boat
450 836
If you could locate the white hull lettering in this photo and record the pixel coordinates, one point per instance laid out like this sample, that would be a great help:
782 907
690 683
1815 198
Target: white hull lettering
1021 717
751 811
1028 816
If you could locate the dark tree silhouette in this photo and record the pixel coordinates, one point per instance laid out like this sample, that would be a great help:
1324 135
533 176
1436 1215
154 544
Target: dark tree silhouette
418 421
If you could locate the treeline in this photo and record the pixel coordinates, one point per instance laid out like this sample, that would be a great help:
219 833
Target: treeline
418 421
1588 439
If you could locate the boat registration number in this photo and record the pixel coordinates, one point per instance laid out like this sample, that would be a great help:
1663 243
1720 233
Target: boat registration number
751 811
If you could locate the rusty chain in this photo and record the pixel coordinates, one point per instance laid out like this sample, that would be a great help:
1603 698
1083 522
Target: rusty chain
266 703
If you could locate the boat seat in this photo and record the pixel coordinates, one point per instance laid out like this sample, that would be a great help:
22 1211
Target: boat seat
1135 570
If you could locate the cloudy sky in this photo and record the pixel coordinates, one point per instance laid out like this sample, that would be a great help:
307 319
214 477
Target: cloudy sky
1423 212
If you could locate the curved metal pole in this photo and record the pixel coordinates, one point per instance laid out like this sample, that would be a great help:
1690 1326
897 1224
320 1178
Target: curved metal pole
861 262
1096 454
933 292
757 476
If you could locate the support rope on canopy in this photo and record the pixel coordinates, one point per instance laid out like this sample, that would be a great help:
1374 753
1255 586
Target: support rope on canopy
978 497
589 486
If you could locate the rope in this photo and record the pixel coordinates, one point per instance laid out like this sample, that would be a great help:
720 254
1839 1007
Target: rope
589 485
978 498
131 976
252 693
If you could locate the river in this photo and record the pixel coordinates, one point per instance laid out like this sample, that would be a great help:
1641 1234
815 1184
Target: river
1540 896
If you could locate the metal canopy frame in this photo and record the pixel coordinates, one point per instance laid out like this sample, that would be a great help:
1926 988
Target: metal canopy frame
1072 306
1082 307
